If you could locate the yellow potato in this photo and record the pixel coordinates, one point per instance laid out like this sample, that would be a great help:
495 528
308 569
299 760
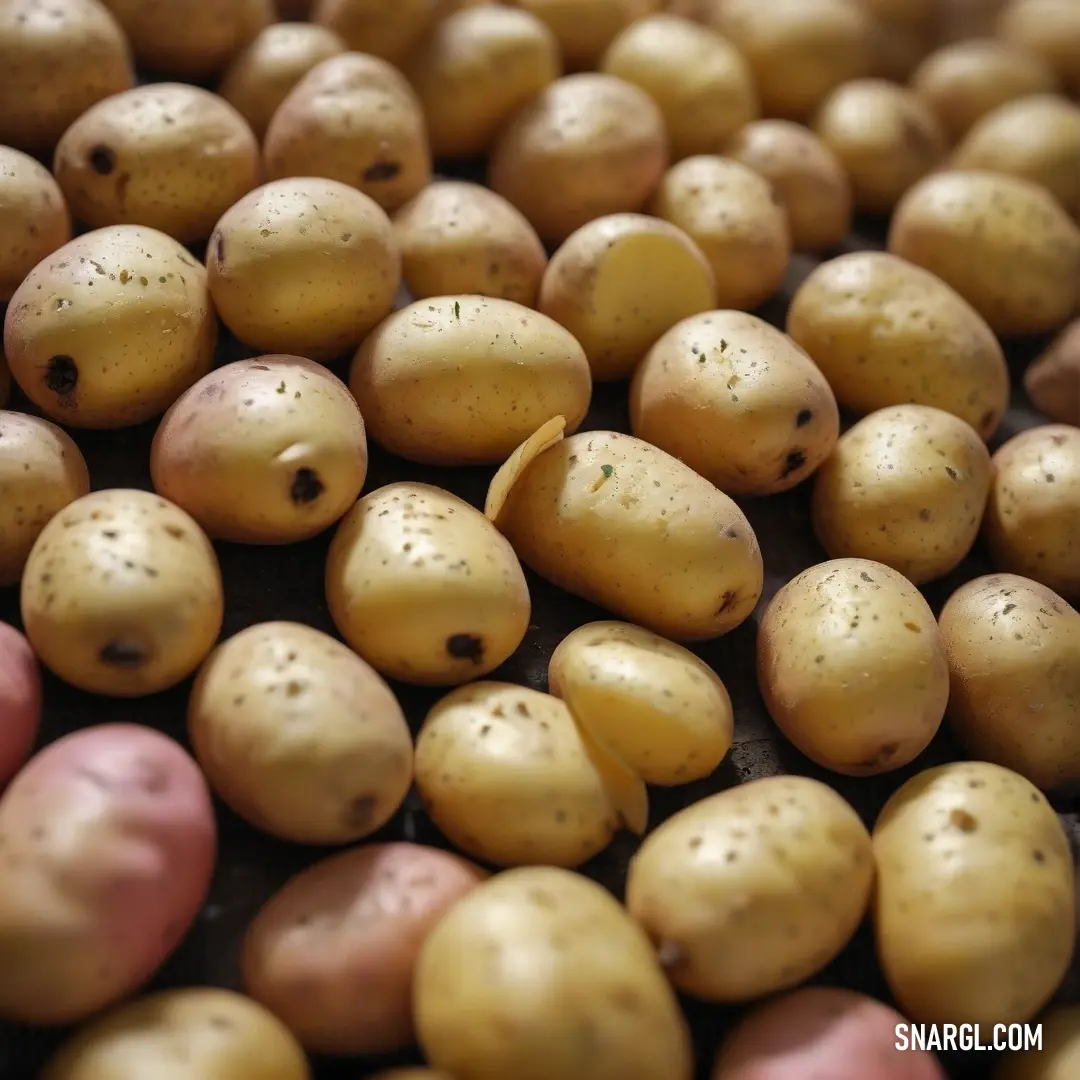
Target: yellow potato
389 31
1048 28
752 890
1052 379
587 145
852 668
886 332
1058 1055
733 215
619 282
906 486
736 400
975 905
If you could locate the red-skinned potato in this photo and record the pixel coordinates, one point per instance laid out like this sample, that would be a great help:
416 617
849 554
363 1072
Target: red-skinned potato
20 701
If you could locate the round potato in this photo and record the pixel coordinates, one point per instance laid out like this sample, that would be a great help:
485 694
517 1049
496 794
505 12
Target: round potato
736 219
20 701
111 328
906 486
736 400
122 594
387 31
754 889
1033 514
422 586
41 472
619 282
110 839
332 952
975 905
1052 379
886 332
1004 244
587 960
355 119
821 672
587 145
1057 1056
1047 28
806 175
194 1033
457 238
304 266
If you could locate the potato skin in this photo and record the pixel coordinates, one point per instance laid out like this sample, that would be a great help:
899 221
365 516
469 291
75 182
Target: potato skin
1048 28
20 701
332 952
1057 1058
388 32
112 838
1052 379
975 905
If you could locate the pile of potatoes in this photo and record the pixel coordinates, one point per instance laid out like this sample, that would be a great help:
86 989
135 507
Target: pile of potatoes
479 305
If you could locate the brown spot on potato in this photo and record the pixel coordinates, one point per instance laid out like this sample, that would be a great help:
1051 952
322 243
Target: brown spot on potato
381 170
122 182
963 820
804 417
795 460
885 753
306 487
62 375
219 247
727 601
102 160
360 812
466 647
122 654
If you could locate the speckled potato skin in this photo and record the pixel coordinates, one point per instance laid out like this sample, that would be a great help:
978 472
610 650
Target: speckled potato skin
885 332
1033 513
906 486
852 667
1058 1056
736 400
1048 28
332 952
482 1021
121 595
754 889
423 587
41 472
1004 244
975 905
387 31
304 266
57 60
731 214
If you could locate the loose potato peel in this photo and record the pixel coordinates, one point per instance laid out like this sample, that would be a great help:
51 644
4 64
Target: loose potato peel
511 470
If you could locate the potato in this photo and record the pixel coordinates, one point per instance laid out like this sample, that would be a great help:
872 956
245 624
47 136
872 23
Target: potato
1052 380
111 329
20 701
619 282
1048 28
886 332
703 86
422 586
897 49
457 238
194 1033
332 952
1058 1055
1004 244
587 145
387 31
852 668
1033 513
906 486
610 518
805 174
590 970
121 594
733 215
736 400
975 906
304 266
57 60
109 839
462 380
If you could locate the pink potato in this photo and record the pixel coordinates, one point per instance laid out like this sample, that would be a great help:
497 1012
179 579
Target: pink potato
332 953
20 701
107 844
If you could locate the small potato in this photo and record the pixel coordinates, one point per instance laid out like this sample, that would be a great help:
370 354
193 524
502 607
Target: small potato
457 238
422 586
20 701
377 28
122 594
619 282
110 839
1033 514
754 889
1052 380
886 332
355 119
906 486
975 905
1058 1055
194 1033
332 952
702 84
736 400
1047 28
587 145
1004 244
304 266
806 175
731 213
462 380
586 960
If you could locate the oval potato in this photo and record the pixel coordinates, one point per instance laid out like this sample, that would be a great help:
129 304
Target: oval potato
1047 28
20 701
1058 1055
